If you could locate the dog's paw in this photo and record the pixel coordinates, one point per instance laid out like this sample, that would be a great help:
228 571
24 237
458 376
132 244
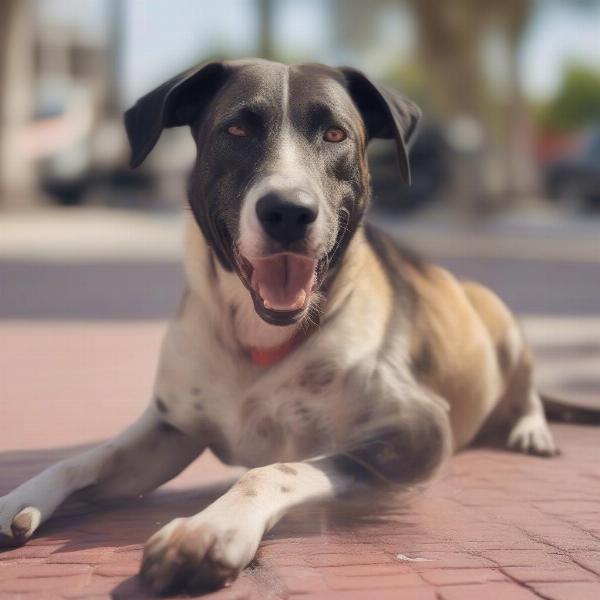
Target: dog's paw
16 525
531 435
194 555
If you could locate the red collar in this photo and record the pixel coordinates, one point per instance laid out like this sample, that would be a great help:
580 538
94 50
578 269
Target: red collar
265 357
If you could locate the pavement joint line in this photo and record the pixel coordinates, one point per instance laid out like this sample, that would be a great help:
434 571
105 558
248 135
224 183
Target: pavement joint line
525 585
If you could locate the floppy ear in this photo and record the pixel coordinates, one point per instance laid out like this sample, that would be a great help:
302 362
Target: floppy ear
178 101
386 113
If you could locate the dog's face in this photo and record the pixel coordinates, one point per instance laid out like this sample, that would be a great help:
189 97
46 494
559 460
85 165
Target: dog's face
280 181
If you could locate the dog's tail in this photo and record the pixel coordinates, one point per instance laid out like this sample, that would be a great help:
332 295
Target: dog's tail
568 411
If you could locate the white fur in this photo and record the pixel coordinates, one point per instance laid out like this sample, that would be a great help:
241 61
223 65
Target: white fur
249 330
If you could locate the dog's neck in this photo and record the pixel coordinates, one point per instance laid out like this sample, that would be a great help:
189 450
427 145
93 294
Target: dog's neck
232 309
248 328
232 305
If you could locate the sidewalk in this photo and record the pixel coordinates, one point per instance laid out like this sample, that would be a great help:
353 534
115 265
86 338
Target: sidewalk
96 233
495 526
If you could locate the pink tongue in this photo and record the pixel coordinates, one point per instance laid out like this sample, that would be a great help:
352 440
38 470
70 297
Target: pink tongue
283 281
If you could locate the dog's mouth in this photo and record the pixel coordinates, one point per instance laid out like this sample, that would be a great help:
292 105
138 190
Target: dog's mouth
281 284
283 281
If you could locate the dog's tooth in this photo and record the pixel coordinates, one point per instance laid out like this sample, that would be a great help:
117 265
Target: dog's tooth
301 299
298 302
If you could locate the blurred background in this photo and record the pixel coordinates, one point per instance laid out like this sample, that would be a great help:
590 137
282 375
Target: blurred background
506 167
510 90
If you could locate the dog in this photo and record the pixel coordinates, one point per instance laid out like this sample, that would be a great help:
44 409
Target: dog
307 346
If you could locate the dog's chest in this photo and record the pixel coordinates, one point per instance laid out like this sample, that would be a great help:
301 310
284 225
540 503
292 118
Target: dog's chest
252 415
292 416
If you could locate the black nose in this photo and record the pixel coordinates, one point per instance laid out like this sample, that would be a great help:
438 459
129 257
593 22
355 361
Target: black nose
286 216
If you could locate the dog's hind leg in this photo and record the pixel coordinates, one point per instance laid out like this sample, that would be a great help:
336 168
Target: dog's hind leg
530 433
140 459
210 548
522 411
518 420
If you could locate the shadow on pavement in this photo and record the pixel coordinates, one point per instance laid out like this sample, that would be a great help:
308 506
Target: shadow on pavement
78 526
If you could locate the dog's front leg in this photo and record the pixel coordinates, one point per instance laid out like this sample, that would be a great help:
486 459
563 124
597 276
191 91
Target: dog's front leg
209 549
141 458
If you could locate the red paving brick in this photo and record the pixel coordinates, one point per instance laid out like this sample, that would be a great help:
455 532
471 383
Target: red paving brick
494 526
568 591
481 591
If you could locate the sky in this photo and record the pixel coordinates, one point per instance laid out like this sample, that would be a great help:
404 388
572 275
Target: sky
162 37
557 36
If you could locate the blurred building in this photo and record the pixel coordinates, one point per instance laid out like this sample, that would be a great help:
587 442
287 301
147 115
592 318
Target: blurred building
484 73
16 84
59 91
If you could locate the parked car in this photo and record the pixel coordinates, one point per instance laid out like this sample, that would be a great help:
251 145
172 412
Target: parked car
429 158
574 180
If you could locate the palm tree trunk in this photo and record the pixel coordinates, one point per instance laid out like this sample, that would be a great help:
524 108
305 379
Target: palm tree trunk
265 28
520 169
16 71
450 37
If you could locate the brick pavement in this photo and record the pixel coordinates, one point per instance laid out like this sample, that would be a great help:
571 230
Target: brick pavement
494 526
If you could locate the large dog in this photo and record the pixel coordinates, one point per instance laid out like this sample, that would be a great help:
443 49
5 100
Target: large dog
307 346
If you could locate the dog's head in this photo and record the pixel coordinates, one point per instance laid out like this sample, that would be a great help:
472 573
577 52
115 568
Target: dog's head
281 181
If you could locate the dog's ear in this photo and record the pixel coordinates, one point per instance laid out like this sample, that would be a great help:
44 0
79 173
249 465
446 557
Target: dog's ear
176 102
386 113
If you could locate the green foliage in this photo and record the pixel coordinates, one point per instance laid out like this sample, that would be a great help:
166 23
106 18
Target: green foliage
576 104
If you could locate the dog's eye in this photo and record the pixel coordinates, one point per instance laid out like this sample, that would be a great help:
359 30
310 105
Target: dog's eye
335 135
237 131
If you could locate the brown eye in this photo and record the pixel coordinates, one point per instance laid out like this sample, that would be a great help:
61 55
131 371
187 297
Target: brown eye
237 130
335 135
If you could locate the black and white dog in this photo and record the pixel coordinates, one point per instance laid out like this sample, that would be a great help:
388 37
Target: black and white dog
307 347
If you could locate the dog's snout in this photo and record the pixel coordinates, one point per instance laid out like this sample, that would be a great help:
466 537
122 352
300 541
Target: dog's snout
287 216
